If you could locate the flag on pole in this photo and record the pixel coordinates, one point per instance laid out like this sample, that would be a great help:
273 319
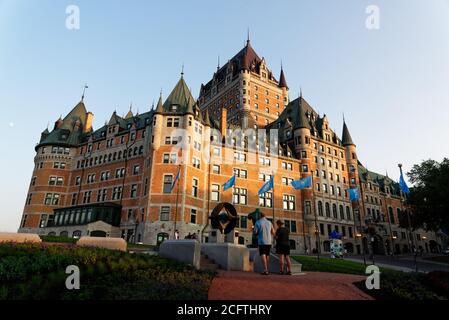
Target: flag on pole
305 183
229 184
353 194
267 186
178 175
403 185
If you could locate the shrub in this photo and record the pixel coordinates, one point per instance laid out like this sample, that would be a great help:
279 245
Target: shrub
38 272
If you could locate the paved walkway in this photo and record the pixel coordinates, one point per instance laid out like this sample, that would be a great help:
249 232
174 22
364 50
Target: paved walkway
234 285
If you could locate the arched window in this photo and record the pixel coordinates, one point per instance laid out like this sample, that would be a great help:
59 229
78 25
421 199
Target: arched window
334 211
342 213
328 210
390 212
320 208
348 213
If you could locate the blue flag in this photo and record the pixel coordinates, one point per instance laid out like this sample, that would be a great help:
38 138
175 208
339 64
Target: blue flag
178 175
353 194
303 183
267 186
403 185
229 184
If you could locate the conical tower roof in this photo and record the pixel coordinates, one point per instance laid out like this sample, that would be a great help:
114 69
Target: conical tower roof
181 97
303 122
159 107
346 136
282 81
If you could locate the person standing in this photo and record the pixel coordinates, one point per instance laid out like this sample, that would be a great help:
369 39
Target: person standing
283 247
176 235
264 231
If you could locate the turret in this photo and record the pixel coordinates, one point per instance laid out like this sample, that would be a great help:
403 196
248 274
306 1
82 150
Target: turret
351 156
158 118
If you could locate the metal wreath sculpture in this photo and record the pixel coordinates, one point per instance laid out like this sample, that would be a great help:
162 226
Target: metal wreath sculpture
225 221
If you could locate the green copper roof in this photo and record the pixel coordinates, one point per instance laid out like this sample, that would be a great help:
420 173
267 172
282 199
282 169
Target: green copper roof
180 97
346 137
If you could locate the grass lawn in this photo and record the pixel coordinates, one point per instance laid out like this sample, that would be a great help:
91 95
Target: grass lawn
331 265
37 272
442 259
394 285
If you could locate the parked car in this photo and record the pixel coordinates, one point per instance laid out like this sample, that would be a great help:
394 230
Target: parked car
446 252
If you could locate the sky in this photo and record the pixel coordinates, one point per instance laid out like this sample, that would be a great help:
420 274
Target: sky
391 83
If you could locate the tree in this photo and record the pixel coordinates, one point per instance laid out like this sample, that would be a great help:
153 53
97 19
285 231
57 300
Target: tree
429 196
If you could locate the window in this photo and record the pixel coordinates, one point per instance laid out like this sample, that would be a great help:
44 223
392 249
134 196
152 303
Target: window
74 198
87 196
119 173
264 161
215 192
24 221
28 201
52 181
391 214
165 213
240 173
243 222
342 212
43 221
168 182
133 193
265 200
264 177
59 181
328 210
101 196
216 169
52 199
196 163
287 166
116 193
320 208
240 196
288 202
287 181
348 213
136 170
334 211
195 188
193 216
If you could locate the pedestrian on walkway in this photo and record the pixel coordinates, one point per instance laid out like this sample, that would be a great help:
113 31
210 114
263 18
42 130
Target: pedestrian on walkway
283 247
264 231
176 235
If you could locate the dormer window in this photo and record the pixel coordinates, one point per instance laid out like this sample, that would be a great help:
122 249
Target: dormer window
174 108
129 126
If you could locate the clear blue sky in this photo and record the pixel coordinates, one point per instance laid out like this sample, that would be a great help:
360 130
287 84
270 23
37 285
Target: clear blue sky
392 83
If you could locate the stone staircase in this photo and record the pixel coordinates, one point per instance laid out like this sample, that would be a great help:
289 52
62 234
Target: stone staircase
208 264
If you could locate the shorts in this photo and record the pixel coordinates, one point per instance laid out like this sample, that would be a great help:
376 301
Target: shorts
283 249
264 249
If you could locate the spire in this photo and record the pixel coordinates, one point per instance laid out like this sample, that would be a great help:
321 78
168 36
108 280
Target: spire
282 81
182 71
207 118
130 114
346 137
218 63
247 37
303 122
159 108
84 92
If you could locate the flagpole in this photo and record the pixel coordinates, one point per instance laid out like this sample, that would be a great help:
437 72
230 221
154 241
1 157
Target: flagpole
272 202
317 232
176 208
415 250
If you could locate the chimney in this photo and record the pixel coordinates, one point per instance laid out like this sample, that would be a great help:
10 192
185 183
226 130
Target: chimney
223 122
89 120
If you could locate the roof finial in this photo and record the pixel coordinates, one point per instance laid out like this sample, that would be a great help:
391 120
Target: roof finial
182 71
247 37
84 91
131 106
300 92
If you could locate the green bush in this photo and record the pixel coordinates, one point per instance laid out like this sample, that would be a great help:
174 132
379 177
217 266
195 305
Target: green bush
38 272
58 239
